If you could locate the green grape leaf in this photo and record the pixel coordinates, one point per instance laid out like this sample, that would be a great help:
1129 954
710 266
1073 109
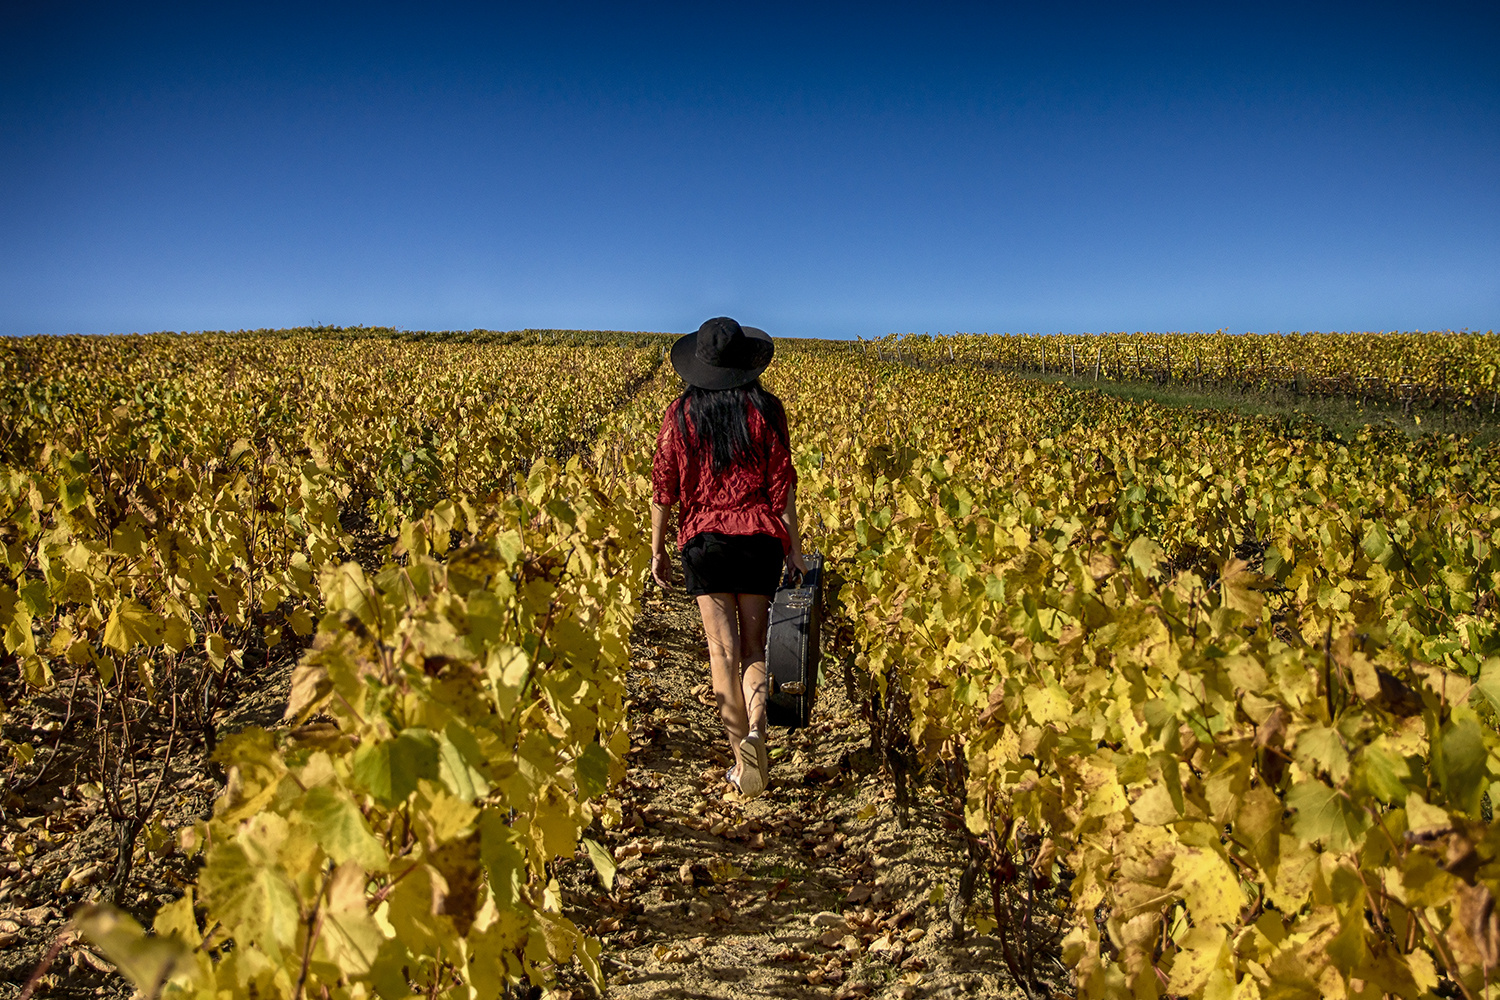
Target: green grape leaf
1385 772
75 493
1320 748
503 858
339 828
593 771
1489 682
35 595
1463 767
390 769
460 761
1324 815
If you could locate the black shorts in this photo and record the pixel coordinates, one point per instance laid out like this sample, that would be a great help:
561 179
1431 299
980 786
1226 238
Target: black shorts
732 564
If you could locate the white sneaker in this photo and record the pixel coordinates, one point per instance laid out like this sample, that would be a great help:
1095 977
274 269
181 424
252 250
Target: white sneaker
755 765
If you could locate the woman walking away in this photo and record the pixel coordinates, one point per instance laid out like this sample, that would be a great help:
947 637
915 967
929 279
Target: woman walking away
724 454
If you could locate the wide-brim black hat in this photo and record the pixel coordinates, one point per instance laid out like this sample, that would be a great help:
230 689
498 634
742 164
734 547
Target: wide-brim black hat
722 354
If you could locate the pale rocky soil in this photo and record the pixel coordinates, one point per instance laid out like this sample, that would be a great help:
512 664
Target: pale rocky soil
811 890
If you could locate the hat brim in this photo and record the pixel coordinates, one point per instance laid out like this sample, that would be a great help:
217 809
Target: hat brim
705 376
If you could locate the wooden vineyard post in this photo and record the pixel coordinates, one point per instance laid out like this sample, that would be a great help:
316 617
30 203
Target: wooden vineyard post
1073 360
1098 361
1044 357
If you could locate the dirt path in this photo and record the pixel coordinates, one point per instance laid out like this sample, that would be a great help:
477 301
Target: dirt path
811 890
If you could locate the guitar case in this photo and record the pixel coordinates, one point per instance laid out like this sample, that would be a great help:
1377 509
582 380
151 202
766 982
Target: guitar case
792 650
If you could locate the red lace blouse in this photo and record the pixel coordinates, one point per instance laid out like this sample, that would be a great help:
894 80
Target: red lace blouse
746 500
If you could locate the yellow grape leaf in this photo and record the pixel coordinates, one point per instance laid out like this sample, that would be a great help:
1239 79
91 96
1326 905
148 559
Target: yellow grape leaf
310 687
176 919
1155 807
254 769
1422 818
459 863
131 624
507 668
36 672
1366 677
1048 704
1349 949
1423 970
1143 554
255 902
415 908
346 588
128 538
604 863
1246 673
1384 771
553 825
442 816
74 493
1257 824
1489 682
37 598
1238 586
176 633
146 961
300 621
1200 954
351 939
1208 885
1296 867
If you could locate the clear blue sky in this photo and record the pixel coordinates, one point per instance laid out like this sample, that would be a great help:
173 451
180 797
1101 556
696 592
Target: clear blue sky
816 171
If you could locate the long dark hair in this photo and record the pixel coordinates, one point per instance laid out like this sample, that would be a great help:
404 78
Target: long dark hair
721 421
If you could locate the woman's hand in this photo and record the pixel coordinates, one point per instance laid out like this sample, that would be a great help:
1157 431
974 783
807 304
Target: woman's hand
661 569
796 563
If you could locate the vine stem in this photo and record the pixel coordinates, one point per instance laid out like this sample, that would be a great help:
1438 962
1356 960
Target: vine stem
314 928
1438 945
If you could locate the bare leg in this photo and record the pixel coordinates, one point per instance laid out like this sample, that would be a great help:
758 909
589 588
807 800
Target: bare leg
721 624
754 611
